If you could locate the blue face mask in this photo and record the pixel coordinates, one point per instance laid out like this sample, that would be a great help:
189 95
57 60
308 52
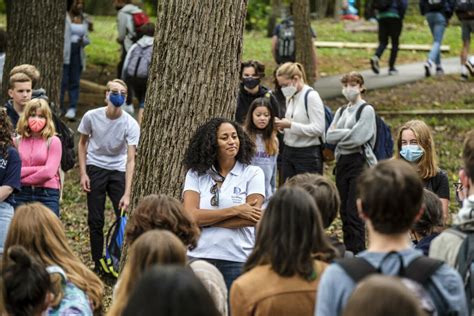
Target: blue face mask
411 152
116 99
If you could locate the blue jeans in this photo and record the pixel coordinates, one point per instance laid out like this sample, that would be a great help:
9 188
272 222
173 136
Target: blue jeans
230 270
48 197
6 214
437 23
72 77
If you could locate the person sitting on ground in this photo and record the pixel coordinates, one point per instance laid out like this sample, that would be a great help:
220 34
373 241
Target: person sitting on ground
354 140
155 247
10 176
251 88
19 91
41 233
137 64
170 290
259 125
325 195
389 199
303 125
415 145
426 227
224 193
106 152
382 295
291 252
25 283
40 152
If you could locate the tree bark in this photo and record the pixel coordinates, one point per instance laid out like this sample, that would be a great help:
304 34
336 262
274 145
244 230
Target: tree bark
194 76
275 13
35 31
303 39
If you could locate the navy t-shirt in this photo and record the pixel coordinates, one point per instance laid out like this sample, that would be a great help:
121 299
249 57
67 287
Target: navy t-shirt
10 172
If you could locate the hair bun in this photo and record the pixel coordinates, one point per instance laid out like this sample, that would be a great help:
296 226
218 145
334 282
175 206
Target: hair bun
20 256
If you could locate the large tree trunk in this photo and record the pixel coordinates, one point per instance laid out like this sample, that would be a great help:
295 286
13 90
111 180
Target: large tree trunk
193 77
274 15
35 31
303 38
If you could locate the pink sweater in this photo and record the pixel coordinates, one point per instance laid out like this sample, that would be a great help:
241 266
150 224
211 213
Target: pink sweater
40 163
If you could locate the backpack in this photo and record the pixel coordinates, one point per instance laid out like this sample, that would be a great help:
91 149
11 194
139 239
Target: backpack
435 5
286 42
114 242
456 247
139 61
139 19
416 276
464 9
327 149
74 301
66 135
381 5
383 148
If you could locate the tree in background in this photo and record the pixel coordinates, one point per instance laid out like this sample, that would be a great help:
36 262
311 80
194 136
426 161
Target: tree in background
35 35
194 76
303 39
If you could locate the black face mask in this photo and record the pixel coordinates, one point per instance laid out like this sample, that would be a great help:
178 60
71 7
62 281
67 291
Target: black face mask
251 82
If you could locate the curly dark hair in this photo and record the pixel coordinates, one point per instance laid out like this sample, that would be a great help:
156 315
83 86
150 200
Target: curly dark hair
201 154
159 211
6 130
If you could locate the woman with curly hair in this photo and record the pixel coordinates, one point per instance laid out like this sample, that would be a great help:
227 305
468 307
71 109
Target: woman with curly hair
224 193
41 233
10 171
415 145
291 252
40 152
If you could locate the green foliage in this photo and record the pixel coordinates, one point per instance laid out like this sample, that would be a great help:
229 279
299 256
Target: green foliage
3 7
257 13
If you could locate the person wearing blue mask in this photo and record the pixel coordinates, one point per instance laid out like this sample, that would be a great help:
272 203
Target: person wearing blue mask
107 146
415 145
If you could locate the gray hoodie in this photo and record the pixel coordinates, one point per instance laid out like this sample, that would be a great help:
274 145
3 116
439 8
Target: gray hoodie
125 25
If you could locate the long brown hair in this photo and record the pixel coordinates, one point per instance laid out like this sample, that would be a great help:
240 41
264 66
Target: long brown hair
158 211
6 131
269 133
427 165
151 248
39 231
291 236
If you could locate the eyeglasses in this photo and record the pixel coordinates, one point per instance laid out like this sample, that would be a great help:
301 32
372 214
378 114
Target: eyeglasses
215 192
124 93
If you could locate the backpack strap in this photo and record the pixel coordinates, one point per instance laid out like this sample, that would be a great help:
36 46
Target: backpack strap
421 269
306 101
359 111
357 268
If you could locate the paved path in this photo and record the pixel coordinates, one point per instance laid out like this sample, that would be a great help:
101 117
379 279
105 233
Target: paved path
330 87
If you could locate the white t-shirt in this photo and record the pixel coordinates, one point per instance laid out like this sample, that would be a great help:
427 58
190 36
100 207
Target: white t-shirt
109 139
226 243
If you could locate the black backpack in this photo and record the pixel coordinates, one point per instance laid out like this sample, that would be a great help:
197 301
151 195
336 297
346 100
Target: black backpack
286 42
114 242
381 5
418 272
435 5
66 135
464 9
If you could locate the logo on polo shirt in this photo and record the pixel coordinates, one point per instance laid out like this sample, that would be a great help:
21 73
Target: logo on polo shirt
238 197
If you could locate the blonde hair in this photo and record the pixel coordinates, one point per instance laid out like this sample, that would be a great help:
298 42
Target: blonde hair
427 166
119 81
152 248
40 232
30 108
31 71
18 77
290 70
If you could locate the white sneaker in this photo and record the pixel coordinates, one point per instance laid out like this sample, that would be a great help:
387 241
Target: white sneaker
470 65
428 65
128 108
70 114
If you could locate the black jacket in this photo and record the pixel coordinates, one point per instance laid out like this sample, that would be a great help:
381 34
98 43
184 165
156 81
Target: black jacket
244 99
447 9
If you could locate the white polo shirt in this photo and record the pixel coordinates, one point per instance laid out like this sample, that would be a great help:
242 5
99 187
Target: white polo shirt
226 243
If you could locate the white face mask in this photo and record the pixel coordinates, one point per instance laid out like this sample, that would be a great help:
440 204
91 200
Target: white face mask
351 93
288 91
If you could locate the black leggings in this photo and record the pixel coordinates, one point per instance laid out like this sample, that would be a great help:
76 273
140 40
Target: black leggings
389 28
